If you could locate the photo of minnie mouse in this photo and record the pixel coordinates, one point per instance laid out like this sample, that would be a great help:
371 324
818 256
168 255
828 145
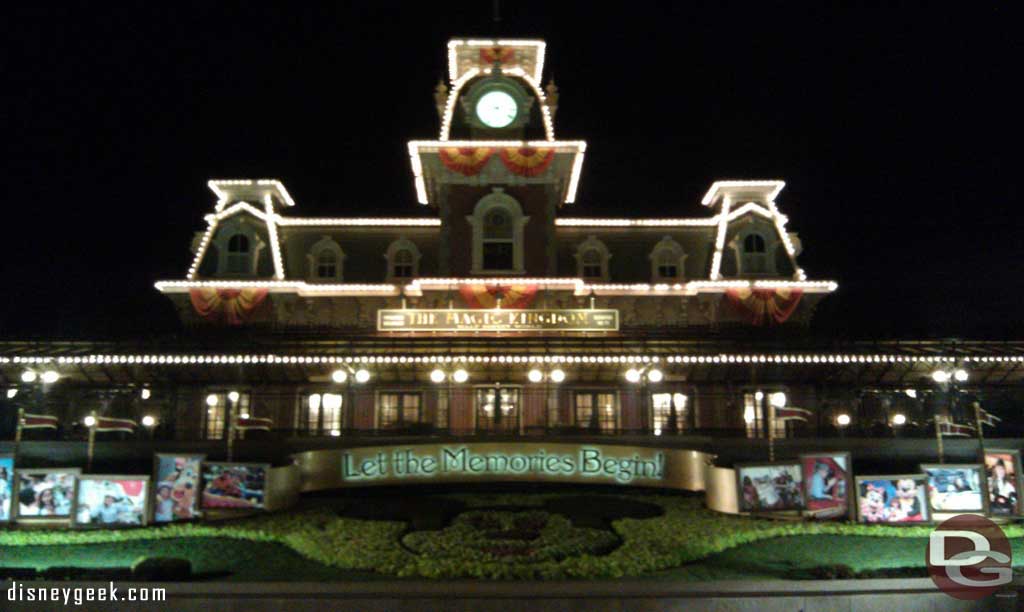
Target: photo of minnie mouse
892 499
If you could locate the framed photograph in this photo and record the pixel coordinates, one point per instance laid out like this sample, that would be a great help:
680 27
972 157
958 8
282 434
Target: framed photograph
111 501
1004 482
6 487
955 487
828 484
234 485
893 499
769 487
44 493
176 484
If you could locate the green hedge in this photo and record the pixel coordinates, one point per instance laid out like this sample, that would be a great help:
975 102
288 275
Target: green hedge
685 533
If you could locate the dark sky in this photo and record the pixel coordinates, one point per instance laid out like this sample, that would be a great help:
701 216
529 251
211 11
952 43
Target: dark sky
894 129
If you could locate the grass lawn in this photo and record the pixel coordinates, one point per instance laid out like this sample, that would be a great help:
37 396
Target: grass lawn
660 536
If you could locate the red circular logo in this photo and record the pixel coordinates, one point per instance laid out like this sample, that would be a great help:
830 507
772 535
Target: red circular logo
969 557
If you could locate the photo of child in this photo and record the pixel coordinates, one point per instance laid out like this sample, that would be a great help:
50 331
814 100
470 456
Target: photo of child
111 501
826 484
46 493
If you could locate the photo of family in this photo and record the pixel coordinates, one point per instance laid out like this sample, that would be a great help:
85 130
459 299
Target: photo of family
176 487
234 485
1002 472
955 488
6 486
46 493
770 487
892 499
111 501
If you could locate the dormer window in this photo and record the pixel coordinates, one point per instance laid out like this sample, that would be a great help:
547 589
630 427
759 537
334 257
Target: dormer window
667 260
238 245
326 261
327 264
755 258
239 256
498 223
592 260
403 260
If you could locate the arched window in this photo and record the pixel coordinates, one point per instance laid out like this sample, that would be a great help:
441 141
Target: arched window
498 242
239 256
327 264
403 260
326 261
592 259
498 223
402 265
755 259
667 260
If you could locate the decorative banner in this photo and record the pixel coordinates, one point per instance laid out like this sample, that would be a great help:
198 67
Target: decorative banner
38 421
503 55
468 161
792 414
234 305
987 418
765 306
254 423
111 424
486 296
527 161
496 320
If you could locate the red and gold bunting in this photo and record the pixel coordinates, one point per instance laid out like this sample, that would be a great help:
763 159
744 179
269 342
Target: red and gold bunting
232 306
489 55
765 306
527 161
486 296
465 160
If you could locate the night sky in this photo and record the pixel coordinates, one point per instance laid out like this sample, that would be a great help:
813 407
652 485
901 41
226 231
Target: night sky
894 130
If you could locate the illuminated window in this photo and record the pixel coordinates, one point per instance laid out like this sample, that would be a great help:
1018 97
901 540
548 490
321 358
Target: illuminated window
661 412
497 409
399 409
323 413
596 411
667 260
239 257
217 409
755 413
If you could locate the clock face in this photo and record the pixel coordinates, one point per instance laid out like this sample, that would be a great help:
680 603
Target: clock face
496 109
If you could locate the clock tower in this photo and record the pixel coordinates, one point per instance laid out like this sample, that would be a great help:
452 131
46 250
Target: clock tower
496 174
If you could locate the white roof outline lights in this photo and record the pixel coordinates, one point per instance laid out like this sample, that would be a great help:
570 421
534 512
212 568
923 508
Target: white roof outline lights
769 189
454 44
227 190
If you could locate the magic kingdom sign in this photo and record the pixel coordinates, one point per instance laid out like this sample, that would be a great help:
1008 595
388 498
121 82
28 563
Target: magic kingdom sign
497 320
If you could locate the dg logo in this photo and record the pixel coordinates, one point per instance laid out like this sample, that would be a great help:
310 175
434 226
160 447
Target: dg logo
969 557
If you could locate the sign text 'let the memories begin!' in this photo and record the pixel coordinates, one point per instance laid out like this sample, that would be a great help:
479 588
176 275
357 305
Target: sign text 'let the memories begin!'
402 463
